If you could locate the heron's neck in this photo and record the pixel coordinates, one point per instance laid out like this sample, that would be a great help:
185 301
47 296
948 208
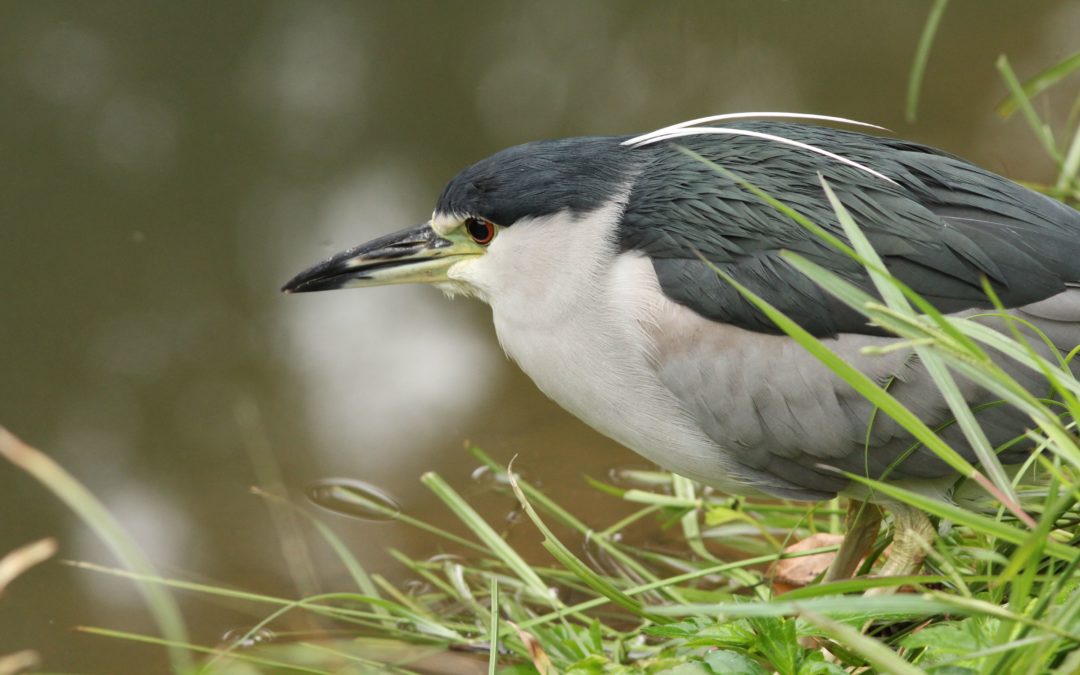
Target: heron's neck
551 301
576 327
559 267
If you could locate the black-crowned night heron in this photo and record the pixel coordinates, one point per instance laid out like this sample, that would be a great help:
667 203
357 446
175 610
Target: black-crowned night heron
590 253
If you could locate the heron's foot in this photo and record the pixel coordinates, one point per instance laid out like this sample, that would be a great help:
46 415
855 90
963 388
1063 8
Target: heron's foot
913 535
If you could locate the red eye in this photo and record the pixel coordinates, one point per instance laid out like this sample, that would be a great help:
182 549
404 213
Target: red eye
482 231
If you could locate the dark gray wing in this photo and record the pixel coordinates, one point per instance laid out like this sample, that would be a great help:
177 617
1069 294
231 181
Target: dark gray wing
940 227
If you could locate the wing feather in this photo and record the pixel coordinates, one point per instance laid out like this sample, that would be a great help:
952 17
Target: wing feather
939 223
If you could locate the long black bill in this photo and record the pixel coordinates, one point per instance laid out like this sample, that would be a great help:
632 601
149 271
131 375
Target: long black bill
413 255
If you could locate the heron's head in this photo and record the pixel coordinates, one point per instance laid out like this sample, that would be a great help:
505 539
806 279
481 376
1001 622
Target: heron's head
517 215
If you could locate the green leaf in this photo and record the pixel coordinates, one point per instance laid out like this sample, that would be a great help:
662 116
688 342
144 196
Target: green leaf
727 662
815 664
692 668
679 629
594 664
950 637
776 640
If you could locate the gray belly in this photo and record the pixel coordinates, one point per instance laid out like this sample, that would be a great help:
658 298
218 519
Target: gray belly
789 422
601 375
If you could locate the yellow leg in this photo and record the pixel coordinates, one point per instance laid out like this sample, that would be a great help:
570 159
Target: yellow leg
860 530
913 535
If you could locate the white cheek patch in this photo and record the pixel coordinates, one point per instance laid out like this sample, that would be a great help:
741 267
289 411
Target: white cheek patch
459 271
467 279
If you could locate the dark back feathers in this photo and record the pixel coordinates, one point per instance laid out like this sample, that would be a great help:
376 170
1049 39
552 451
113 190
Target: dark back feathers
942 226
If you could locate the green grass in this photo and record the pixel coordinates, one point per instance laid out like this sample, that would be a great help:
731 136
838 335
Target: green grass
647 609
1000 592
1065 154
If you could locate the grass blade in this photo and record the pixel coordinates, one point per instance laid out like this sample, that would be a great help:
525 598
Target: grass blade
160 602
1039 83
922 56
931 360
956 514
878 655
850 608
857 379
572 563
186 646
486 534
493 628
348 560
1027 109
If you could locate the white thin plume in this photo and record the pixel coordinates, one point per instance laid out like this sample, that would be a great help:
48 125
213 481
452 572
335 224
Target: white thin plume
689 128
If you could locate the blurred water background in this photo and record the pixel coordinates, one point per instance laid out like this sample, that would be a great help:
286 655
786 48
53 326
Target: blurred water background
167 165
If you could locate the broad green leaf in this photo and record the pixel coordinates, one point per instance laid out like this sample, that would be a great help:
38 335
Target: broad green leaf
727 662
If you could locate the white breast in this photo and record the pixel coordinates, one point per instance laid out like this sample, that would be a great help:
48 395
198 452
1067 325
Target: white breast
572 312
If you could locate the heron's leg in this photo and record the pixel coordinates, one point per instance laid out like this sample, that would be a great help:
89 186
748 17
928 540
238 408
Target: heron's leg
913 535
860 530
